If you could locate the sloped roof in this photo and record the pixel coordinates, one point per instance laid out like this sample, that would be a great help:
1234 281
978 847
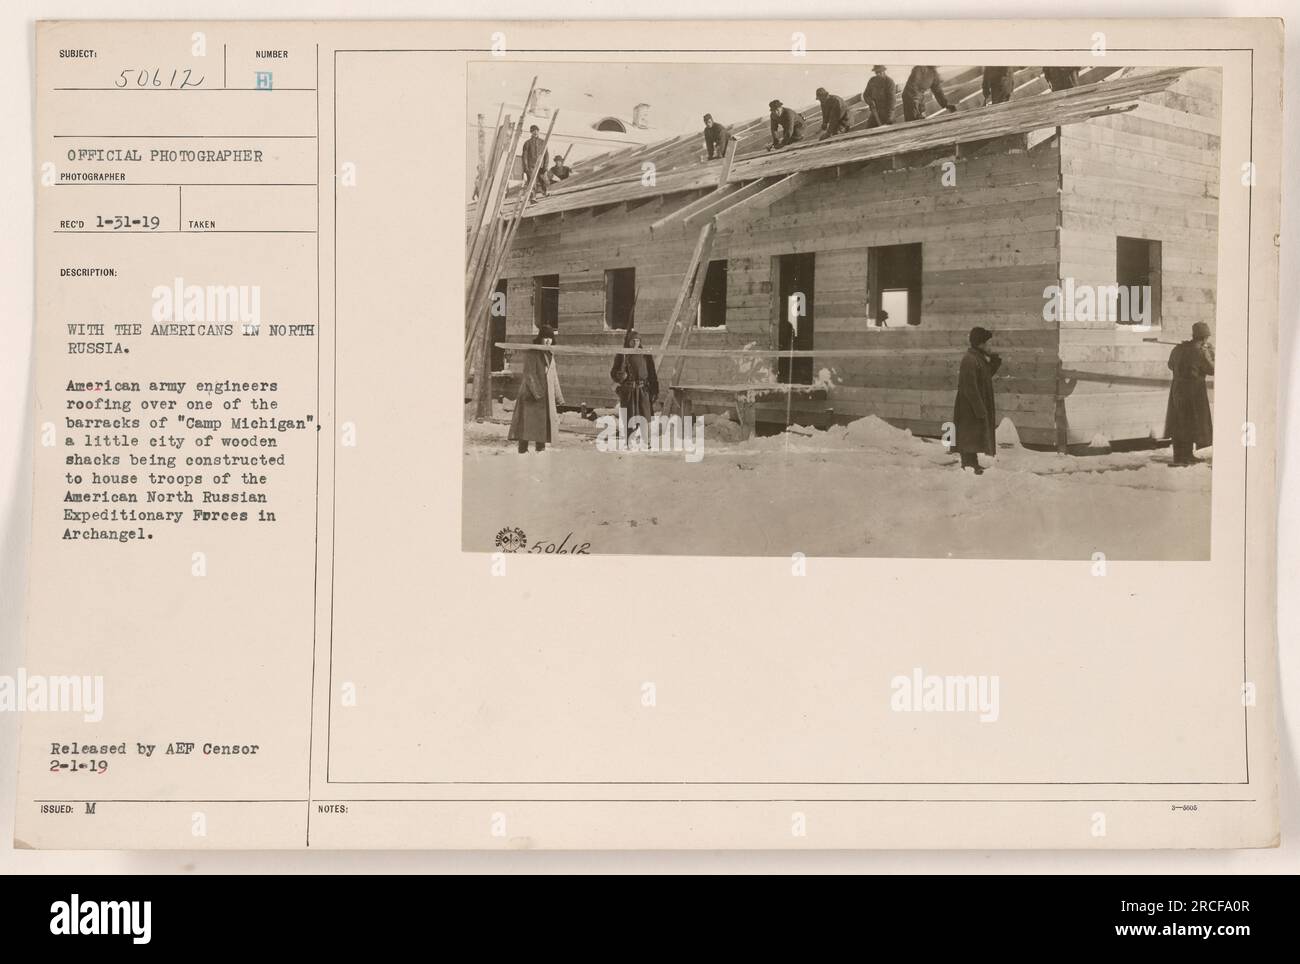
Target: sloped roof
617 177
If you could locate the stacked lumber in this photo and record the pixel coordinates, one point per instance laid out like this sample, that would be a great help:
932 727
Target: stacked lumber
487 244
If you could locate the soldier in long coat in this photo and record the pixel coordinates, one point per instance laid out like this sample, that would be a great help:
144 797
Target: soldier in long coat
535 419
879 97
635 382
1188 419
974 413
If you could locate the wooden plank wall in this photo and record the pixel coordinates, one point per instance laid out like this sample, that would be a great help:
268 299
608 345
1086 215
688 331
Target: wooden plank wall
1151 173
989 249
579 246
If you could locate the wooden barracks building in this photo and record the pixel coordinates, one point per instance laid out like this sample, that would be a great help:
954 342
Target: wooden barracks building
901 238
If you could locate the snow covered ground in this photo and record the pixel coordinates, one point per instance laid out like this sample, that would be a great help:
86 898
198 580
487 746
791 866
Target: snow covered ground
865 489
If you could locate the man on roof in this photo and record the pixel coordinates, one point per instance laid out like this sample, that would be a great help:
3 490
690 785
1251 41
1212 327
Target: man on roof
787 125
559 170
920 80
879 97
998 84
716 137
835 114
1061 78
534 154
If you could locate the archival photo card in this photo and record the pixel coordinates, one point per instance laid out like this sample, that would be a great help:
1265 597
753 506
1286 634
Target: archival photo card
775 435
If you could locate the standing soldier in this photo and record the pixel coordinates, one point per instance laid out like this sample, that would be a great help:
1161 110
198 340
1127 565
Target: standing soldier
879 97
1061 78
1188 419
716 137
835 114
787 125
998 84
559 170
635 383
919 81
974 414
535 156
535 418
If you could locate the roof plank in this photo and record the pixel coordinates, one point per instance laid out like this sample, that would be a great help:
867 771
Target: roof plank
1016 116
678 167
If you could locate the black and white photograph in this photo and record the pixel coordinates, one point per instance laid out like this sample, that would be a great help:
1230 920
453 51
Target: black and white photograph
869 310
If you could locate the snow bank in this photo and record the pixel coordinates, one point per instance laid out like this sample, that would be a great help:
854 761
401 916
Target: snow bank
864 489
874 430
720 428
1007 435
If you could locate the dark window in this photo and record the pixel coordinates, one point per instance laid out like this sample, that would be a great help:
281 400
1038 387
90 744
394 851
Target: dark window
894 285
497 317
713 300
612 124
1137 272
546 301
620 297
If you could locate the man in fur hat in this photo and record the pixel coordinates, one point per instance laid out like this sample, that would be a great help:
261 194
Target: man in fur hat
1188 419
635 383
974 413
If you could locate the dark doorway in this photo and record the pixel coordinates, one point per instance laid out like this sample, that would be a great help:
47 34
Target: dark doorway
497 317
1137 269
546 301
713 299
795 281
